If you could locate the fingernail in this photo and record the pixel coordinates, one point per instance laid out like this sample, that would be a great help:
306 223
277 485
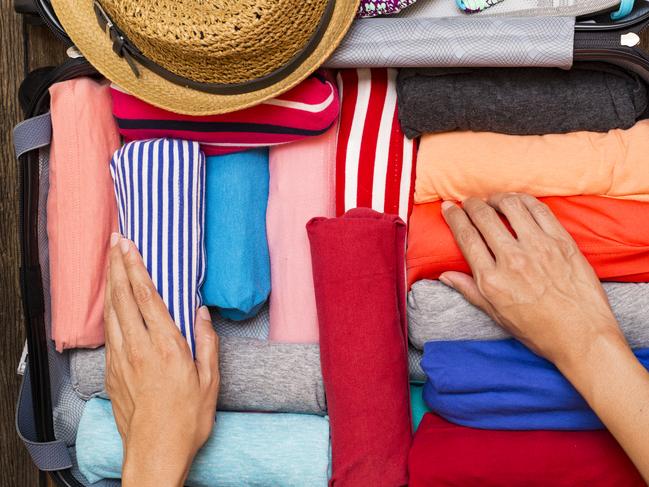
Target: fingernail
446 281
447 204
124 245
204 313
114 238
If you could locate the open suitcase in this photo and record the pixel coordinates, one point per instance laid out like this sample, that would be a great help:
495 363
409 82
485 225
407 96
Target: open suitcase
48 409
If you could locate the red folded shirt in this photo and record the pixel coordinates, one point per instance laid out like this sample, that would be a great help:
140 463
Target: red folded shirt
359 281
613 234
446 454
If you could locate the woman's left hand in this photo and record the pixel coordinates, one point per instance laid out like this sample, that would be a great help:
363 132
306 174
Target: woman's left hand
164 401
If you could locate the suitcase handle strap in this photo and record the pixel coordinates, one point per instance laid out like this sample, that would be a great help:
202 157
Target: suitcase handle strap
32 134
48 456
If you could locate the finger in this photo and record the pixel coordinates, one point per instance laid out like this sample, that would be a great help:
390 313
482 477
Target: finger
128 315
544 217
207 349
511 205
467 237
466 285
112 331
149 302
486 220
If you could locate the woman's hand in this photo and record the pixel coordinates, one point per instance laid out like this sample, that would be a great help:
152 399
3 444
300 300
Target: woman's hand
537 284
164 402
540 288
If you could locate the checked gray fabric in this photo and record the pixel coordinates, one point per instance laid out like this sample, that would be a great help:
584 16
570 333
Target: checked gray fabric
457 42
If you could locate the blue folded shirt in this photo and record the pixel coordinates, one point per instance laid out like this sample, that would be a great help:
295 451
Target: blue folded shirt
237 279
251 449
501 384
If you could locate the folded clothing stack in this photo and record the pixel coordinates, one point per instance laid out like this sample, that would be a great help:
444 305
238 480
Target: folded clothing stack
586 162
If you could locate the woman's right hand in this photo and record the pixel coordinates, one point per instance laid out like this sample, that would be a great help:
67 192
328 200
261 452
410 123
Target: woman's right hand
536 284
540 287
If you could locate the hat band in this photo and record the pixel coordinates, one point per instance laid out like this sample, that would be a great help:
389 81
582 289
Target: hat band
123 47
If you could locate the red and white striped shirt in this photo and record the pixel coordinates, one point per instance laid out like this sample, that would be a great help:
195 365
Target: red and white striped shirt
375 162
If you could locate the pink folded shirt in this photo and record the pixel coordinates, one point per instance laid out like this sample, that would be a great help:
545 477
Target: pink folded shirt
307 110
81 209
302 186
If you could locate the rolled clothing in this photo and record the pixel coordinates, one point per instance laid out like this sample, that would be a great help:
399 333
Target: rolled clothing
302 186
375 162
359 283
417 404
306 110
474 41
457 165
446 454
81 209
501 384
160 190
606 231
253 449
594 97
237 273
256 375
255 327
426 9
374 8
437 312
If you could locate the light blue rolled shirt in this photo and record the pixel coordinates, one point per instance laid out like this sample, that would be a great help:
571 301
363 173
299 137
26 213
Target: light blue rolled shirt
251 449
237 279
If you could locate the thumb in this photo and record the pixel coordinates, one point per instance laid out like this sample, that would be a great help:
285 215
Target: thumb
207 350
466 285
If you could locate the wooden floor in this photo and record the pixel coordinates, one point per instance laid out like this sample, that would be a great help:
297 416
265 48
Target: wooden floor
43 49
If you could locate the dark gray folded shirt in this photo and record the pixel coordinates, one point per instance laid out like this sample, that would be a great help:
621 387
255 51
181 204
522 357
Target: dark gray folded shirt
256 375
437 313
520 101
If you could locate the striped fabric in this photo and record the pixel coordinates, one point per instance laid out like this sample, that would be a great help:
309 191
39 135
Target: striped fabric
160 190
375 162
307 110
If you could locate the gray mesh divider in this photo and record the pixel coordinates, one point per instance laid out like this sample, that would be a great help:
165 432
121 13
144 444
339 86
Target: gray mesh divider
67 406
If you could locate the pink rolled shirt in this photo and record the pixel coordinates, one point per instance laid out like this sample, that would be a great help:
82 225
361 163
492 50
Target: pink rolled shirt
302 186
81 209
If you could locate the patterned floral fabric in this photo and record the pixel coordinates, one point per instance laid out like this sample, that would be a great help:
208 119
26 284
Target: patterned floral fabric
373 8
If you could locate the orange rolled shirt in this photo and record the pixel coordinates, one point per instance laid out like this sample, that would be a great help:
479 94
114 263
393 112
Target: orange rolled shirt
456 165
613 234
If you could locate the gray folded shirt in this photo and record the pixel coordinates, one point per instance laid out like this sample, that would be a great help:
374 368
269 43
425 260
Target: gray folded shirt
464 41
437 312
596 97
256 375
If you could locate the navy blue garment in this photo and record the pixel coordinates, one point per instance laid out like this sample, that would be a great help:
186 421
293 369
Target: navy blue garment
501 384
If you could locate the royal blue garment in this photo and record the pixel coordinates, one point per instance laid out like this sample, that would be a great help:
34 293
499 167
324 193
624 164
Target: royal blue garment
243 449
237 277
501 384
160 191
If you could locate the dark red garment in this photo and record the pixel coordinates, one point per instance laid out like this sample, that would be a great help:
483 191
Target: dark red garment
359 281
445 454
613 234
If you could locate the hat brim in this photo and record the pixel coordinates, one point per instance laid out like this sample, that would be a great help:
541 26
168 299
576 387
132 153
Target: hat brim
80 23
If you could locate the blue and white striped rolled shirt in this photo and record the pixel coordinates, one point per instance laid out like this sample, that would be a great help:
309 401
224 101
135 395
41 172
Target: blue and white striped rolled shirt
160 190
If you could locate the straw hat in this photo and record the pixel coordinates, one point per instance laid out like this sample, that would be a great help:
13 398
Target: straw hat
201 57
